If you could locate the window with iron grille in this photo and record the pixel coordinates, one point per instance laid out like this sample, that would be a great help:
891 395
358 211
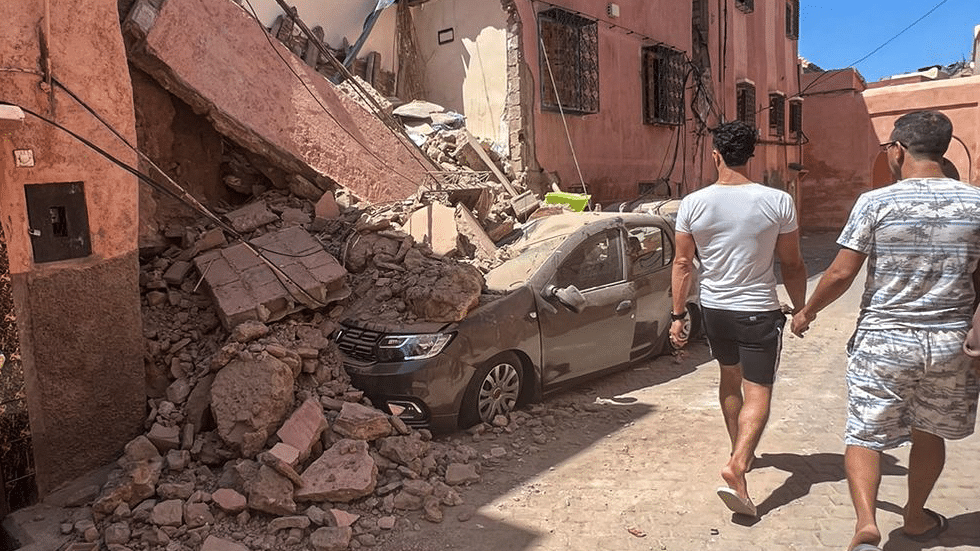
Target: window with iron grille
663 85
744 5
796 118
777 114
793 19
571 54
745 103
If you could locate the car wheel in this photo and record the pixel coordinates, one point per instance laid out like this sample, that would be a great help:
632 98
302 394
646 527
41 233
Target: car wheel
494 390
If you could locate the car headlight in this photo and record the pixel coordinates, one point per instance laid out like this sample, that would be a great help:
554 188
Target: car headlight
395 348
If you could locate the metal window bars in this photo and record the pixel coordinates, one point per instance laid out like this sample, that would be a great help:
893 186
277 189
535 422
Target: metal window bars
572 49
663 90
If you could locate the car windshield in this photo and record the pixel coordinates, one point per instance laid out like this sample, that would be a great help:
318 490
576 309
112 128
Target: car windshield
539 240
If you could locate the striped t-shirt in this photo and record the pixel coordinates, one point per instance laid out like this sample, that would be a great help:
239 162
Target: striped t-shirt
922 238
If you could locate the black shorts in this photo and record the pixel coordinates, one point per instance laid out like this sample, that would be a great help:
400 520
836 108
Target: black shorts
753 339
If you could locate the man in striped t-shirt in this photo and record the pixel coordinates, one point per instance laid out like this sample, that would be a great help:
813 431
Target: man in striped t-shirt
908 379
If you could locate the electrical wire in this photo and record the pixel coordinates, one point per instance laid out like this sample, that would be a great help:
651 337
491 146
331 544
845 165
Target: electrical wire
182 197
876 50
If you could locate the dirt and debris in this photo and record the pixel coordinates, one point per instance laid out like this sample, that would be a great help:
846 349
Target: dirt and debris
255 438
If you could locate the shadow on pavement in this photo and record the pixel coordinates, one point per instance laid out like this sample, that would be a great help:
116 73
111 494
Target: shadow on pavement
805 471
964 530
582 416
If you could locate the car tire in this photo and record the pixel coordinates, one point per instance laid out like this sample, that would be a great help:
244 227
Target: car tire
495 389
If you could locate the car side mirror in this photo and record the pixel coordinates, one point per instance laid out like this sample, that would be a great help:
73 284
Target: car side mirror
570 297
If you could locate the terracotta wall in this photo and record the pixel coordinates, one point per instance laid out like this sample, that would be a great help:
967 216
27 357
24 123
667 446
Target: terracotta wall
615 149
79 319
840 151
845 124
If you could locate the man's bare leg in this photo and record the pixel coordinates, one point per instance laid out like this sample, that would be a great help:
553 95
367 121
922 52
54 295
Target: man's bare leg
752 420
730 397
926 461
863 467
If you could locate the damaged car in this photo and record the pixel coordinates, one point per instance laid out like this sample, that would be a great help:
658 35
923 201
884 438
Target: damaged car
582 294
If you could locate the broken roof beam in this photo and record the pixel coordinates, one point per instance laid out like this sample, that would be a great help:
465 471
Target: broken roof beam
220 61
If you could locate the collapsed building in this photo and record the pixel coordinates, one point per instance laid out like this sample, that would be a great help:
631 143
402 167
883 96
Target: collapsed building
188 218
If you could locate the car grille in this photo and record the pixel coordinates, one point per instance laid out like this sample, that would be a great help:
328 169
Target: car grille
358 343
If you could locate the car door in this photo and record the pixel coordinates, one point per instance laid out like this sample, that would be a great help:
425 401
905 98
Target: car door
650 253
576 344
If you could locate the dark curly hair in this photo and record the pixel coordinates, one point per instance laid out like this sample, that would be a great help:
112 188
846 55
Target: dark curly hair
735 141
924 133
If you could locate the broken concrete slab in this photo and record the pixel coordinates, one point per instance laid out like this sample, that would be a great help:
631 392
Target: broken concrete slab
343 473
418 110
251 216
245 287
326 136
469 228
435 224
303 428
361 422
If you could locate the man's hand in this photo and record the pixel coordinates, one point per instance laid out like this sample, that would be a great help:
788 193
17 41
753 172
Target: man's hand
801 323
677 336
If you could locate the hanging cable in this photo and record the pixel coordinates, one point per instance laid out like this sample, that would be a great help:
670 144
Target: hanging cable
561 111
885 43
183 197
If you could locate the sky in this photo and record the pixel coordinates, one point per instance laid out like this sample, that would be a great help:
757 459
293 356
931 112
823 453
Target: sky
836 33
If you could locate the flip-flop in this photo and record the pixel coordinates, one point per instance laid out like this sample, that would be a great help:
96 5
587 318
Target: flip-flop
737 505
942 524
866 547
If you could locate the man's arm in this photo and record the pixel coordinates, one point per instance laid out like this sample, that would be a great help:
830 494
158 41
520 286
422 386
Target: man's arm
680 282
792 267
833 283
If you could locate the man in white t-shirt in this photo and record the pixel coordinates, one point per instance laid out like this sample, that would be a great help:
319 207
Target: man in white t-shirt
737 228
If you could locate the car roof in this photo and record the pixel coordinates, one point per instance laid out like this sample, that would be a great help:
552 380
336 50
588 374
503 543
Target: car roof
569 222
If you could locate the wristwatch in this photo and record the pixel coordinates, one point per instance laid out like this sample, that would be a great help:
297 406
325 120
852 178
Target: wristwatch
676 317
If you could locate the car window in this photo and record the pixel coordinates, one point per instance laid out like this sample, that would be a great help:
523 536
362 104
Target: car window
649 249
596 262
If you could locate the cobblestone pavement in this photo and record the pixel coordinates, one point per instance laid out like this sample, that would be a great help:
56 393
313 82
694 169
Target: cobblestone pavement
645 477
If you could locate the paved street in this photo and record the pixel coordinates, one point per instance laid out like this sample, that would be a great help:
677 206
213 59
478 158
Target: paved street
641 473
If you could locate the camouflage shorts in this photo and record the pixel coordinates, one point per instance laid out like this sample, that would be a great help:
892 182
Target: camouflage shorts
902 379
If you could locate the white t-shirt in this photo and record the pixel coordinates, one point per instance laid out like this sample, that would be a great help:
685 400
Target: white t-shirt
735 229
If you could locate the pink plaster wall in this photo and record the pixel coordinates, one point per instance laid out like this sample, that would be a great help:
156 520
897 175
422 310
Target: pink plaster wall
845 124
841 149
79 320
214 56
615 149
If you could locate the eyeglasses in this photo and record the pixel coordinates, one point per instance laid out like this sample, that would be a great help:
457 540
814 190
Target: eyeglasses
886 145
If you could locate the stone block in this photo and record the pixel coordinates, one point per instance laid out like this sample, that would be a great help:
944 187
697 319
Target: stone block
251 216
303 428
327 207
177 271
361 422
229 500
164 438
214 543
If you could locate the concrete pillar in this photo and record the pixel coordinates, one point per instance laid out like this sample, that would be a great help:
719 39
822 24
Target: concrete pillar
70 219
